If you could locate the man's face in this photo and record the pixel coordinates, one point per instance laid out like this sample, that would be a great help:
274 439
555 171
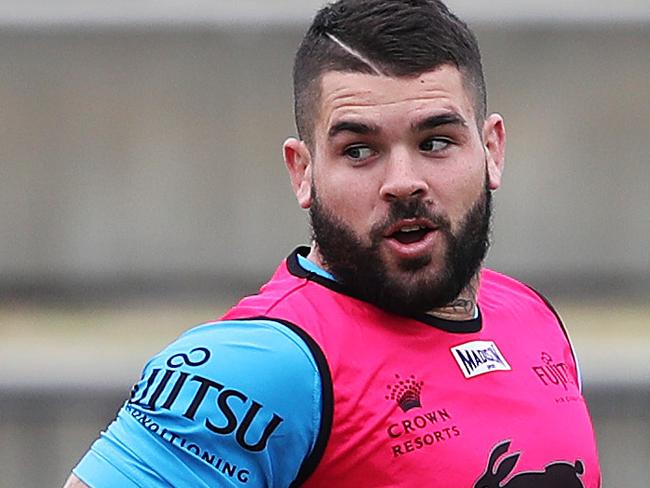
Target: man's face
397 183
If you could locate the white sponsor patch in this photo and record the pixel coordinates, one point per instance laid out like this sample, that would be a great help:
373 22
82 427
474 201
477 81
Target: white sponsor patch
479 357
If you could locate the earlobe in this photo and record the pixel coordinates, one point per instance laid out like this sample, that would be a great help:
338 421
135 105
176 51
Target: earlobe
297 158
494 143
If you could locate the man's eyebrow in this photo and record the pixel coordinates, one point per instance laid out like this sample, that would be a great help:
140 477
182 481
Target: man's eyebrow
438 120
354 127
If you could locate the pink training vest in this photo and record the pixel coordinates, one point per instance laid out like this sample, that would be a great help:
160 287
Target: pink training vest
417 405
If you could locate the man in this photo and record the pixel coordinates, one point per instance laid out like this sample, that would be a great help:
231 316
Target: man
382 356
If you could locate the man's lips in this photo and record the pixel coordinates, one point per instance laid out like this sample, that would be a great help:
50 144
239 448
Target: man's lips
409 231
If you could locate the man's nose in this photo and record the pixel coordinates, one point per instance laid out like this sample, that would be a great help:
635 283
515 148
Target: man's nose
403 178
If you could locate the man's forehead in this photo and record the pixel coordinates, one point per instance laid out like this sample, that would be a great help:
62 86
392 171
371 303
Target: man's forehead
351 95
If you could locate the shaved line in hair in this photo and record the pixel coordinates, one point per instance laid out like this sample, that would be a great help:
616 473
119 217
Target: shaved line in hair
354 53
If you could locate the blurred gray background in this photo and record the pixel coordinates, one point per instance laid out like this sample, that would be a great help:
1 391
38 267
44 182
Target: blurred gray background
142 190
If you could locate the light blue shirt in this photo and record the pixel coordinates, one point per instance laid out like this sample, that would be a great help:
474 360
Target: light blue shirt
308 265
233 403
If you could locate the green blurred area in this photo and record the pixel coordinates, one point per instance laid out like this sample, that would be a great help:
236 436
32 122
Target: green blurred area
89 343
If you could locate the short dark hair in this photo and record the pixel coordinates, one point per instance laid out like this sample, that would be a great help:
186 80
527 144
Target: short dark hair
398 38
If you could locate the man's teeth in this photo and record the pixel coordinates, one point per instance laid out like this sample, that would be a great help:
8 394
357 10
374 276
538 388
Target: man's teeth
411 228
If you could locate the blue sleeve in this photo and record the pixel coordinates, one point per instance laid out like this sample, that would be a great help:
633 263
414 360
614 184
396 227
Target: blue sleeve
234 403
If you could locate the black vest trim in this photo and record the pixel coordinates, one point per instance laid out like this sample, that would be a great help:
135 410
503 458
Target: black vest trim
310 463
560 323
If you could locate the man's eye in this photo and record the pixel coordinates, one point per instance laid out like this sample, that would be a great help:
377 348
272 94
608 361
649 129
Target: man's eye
358 153
434 145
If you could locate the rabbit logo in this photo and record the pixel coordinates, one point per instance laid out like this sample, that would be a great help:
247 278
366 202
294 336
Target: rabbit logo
556 475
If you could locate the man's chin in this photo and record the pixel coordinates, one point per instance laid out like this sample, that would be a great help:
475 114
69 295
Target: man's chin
414 276
414 267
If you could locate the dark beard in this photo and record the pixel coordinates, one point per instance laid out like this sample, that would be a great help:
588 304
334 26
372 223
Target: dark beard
363 272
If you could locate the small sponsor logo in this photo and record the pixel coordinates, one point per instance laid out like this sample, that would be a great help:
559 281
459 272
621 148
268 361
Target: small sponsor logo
405 392
553 373
421 429
196 357
479 357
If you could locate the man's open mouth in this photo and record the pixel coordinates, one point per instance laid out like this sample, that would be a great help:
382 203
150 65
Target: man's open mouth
410 231
410 234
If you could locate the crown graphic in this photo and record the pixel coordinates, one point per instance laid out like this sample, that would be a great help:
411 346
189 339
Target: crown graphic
405 392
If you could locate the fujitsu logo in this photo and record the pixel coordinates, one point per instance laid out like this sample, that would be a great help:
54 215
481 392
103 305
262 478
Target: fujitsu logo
197 396
405 392
553 372
479 357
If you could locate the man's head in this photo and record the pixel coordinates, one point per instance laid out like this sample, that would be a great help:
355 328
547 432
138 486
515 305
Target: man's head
390 37
397 158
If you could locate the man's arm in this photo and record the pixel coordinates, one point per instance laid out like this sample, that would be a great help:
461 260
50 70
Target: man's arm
228 403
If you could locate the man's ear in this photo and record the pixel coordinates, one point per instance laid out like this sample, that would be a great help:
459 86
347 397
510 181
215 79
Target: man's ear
494 143
297 158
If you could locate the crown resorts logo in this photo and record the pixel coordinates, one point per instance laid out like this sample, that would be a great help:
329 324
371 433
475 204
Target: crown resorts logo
405 392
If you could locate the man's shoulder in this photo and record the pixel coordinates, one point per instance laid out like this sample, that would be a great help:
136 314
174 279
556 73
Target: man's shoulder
496 278
261 358
219 395
226 342
496 286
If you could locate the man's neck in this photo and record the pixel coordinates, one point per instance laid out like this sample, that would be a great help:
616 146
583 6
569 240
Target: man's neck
463 307
314 256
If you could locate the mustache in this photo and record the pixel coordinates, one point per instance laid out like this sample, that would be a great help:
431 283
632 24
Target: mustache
413 208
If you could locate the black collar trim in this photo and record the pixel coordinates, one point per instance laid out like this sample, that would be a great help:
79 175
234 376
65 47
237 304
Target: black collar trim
456 326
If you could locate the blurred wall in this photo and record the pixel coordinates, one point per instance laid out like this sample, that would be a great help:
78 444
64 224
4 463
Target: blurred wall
155 154
143 153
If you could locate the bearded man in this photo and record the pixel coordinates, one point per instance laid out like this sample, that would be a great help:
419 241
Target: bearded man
383 355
